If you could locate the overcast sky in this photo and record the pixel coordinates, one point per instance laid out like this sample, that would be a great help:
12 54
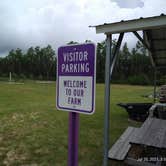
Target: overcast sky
26 23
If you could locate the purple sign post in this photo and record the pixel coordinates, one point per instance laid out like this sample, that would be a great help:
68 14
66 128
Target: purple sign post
76 79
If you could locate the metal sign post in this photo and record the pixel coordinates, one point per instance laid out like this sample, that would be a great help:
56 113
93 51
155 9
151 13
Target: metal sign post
107 98
73 139
76 79
109 66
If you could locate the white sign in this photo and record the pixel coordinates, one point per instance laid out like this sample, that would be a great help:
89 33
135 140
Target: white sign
76 77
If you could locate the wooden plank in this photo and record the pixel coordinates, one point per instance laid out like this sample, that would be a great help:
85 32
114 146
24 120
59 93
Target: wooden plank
113 152
142 131
152 133
127 144
164 141
156 134
121 147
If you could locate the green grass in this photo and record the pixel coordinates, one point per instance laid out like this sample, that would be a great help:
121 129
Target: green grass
33 132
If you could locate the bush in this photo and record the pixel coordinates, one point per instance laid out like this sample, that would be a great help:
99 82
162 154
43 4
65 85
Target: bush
31 76
4 75
22 76
14 76
40 77
162 81
139 80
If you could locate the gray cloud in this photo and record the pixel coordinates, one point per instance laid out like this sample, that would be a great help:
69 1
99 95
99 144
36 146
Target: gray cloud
26 23
129 3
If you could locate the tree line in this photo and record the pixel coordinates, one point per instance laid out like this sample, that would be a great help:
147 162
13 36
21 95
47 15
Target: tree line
36 63
132 66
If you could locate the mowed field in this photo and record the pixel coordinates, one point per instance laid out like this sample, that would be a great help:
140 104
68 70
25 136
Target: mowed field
34 133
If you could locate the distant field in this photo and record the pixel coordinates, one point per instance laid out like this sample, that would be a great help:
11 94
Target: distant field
34 133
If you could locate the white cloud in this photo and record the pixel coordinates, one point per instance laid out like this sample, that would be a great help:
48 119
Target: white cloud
40 22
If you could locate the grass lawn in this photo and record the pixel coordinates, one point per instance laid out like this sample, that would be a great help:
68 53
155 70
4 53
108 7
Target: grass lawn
34 133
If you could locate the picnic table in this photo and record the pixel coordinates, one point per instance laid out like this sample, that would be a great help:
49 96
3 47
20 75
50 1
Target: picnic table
151 135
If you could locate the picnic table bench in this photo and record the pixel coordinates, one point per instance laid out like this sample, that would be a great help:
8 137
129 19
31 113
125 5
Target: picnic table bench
151 135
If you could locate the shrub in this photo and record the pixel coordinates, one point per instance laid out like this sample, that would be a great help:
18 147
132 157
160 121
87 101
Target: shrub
141 79
40 77
22 76
14 76
162 81
31 76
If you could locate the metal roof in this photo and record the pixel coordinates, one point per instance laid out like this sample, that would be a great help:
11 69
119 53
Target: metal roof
154 30
132 25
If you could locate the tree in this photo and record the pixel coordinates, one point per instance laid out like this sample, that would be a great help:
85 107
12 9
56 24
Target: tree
47 60
131 66
125 61
100 63
72 42
30 62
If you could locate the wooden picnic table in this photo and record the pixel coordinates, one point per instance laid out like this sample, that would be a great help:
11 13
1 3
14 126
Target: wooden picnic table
151 135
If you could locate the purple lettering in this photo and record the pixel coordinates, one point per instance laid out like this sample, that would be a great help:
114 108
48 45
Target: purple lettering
63 67
75 84
68 92
78 92
74 101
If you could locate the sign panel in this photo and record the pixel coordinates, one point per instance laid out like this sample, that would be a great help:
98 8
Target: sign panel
76 78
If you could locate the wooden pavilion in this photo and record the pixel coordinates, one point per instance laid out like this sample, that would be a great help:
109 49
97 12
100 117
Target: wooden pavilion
152 134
